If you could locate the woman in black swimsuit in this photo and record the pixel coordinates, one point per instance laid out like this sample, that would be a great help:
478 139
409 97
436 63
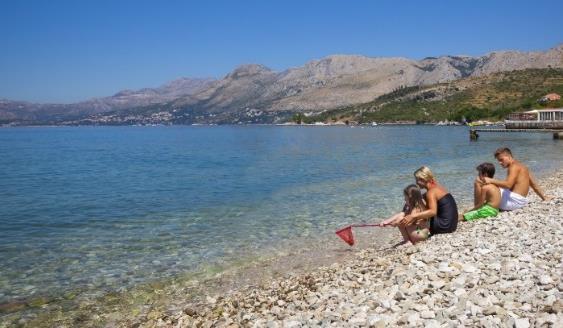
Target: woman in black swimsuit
442 208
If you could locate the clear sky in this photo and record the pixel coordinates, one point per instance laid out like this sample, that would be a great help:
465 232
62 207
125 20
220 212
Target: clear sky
71 50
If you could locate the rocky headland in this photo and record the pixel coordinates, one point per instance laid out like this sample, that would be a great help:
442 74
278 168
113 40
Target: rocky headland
499 272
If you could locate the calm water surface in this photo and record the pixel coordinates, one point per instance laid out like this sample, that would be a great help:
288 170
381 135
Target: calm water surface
103 208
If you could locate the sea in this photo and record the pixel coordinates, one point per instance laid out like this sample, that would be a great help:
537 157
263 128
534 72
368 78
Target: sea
87 211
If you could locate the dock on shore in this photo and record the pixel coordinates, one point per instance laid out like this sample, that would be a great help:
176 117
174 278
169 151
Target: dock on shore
474 132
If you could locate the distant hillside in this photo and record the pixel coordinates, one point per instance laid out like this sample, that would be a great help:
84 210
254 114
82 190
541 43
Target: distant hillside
256 94
485 97
31 113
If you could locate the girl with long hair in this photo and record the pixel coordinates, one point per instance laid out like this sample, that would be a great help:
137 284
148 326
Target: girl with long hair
414 203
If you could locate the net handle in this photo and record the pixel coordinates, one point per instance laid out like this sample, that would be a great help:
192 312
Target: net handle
367 225
377 225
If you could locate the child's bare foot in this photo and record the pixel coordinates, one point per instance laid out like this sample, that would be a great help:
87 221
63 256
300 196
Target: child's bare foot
402 244
405 245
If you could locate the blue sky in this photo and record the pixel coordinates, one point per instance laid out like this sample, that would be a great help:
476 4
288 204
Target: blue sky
72 50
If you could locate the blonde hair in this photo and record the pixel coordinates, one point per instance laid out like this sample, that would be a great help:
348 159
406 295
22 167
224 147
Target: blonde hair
425 174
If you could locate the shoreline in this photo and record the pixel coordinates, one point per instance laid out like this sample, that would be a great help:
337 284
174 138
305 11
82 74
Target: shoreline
317 124
153 299
471 277
163 302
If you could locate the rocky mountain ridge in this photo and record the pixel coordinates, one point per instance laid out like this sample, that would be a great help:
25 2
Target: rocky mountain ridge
328 83
341 80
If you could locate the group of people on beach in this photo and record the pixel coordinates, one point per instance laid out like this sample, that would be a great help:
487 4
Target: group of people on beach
436 211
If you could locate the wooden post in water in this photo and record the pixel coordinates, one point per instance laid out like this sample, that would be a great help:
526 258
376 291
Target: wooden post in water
473 136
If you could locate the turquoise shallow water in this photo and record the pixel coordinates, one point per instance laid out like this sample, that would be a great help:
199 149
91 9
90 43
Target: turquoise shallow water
104 208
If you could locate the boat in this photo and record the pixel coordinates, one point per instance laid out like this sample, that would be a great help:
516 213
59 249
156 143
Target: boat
447 123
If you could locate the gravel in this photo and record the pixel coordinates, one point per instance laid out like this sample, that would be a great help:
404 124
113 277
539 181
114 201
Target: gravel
504 271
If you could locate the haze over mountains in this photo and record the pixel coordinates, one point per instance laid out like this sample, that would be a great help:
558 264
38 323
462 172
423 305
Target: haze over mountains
25 111
257 91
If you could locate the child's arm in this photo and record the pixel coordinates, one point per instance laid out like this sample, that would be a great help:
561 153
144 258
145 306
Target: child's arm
393 220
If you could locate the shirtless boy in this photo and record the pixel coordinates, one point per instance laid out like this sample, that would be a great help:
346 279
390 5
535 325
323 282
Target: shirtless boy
486 196
517 184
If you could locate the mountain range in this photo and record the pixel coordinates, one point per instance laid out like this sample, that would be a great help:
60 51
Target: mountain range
256 94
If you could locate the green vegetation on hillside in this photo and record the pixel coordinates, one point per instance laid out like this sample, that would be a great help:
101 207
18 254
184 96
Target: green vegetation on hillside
490 97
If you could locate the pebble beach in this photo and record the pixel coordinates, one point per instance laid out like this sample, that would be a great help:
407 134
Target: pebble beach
499 272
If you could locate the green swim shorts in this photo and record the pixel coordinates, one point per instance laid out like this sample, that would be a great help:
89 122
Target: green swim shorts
484 211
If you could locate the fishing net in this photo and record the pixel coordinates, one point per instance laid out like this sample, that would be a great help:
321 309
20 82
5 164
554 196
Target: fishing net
346 235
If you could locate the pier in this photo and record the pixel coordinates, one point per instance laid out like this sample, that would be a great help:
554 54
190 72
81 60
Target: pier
474 132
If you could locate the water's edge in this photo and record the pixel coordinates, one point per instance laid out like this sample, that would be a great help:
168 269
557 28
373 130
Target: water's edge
160 297
179 250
